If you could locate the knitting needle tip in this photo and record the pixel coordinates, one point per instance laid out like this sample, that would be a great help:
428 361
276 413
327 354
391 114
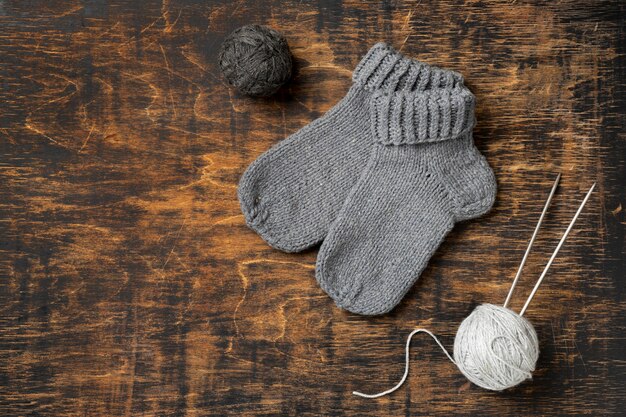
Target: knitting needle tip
532 240
558 247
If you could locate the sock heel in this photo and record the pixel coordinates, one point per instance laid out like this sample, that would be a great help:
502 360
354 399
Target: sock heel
476 192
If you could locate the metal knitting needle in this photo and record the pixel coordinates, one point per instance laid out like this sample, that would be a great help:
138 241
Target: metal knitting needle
558 247
532 240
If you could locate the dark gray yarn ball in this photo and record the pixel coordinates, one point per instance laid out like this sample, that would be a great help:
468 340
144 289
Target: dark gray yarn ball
256 60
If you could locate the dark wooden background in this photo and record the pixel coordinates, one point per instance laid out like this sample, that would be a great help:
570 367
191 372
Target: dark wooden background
131 286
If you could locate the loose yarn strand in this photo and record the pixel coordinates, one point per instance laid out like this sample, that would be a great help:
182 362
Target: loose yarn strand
532 240
406 368
556 251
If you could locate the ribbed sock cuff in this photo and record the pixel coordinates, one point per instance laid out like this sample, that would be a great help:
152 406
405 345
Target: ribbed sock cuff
405 118
385 68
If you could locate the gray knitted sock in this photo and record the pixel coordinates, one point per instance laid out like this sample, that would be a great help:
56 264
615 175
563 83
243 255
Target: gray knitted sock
292 193
423 175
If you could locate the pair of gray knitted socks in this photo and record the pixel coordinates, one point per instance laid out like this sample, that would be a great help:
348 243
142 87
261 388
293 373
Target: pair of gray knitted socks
380 179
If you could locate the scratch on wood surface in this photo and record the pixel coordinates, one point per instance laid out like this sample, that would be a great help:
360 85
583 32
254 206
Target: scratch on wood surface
284 320
169 255
169 26
169 70
580 354
617 210
29 127
210 168
244 282
69 12
184 52
131 377
87 138
245 285
316 67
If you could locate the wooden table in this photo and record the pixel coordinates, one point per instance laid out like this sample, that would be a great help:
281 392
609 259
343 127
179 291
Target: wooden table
130 284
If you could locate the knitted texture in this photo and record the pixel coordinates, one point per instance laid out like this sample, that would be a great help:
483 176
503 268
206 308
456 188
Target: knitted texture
409 118
292 193
384 68
423 174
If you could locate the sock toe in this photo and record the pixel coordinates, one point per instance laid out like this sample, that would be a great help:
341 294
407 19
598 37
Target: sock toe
372 303
260 218
364 295
342 295
247 193
345 290
257 218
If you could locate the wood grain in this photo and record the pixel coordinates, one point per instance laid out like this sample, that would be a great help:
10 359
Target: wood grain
130 284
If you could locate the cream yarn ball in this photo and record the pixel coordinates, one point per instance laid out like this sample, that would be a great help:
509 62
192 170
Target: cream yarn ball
495 348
